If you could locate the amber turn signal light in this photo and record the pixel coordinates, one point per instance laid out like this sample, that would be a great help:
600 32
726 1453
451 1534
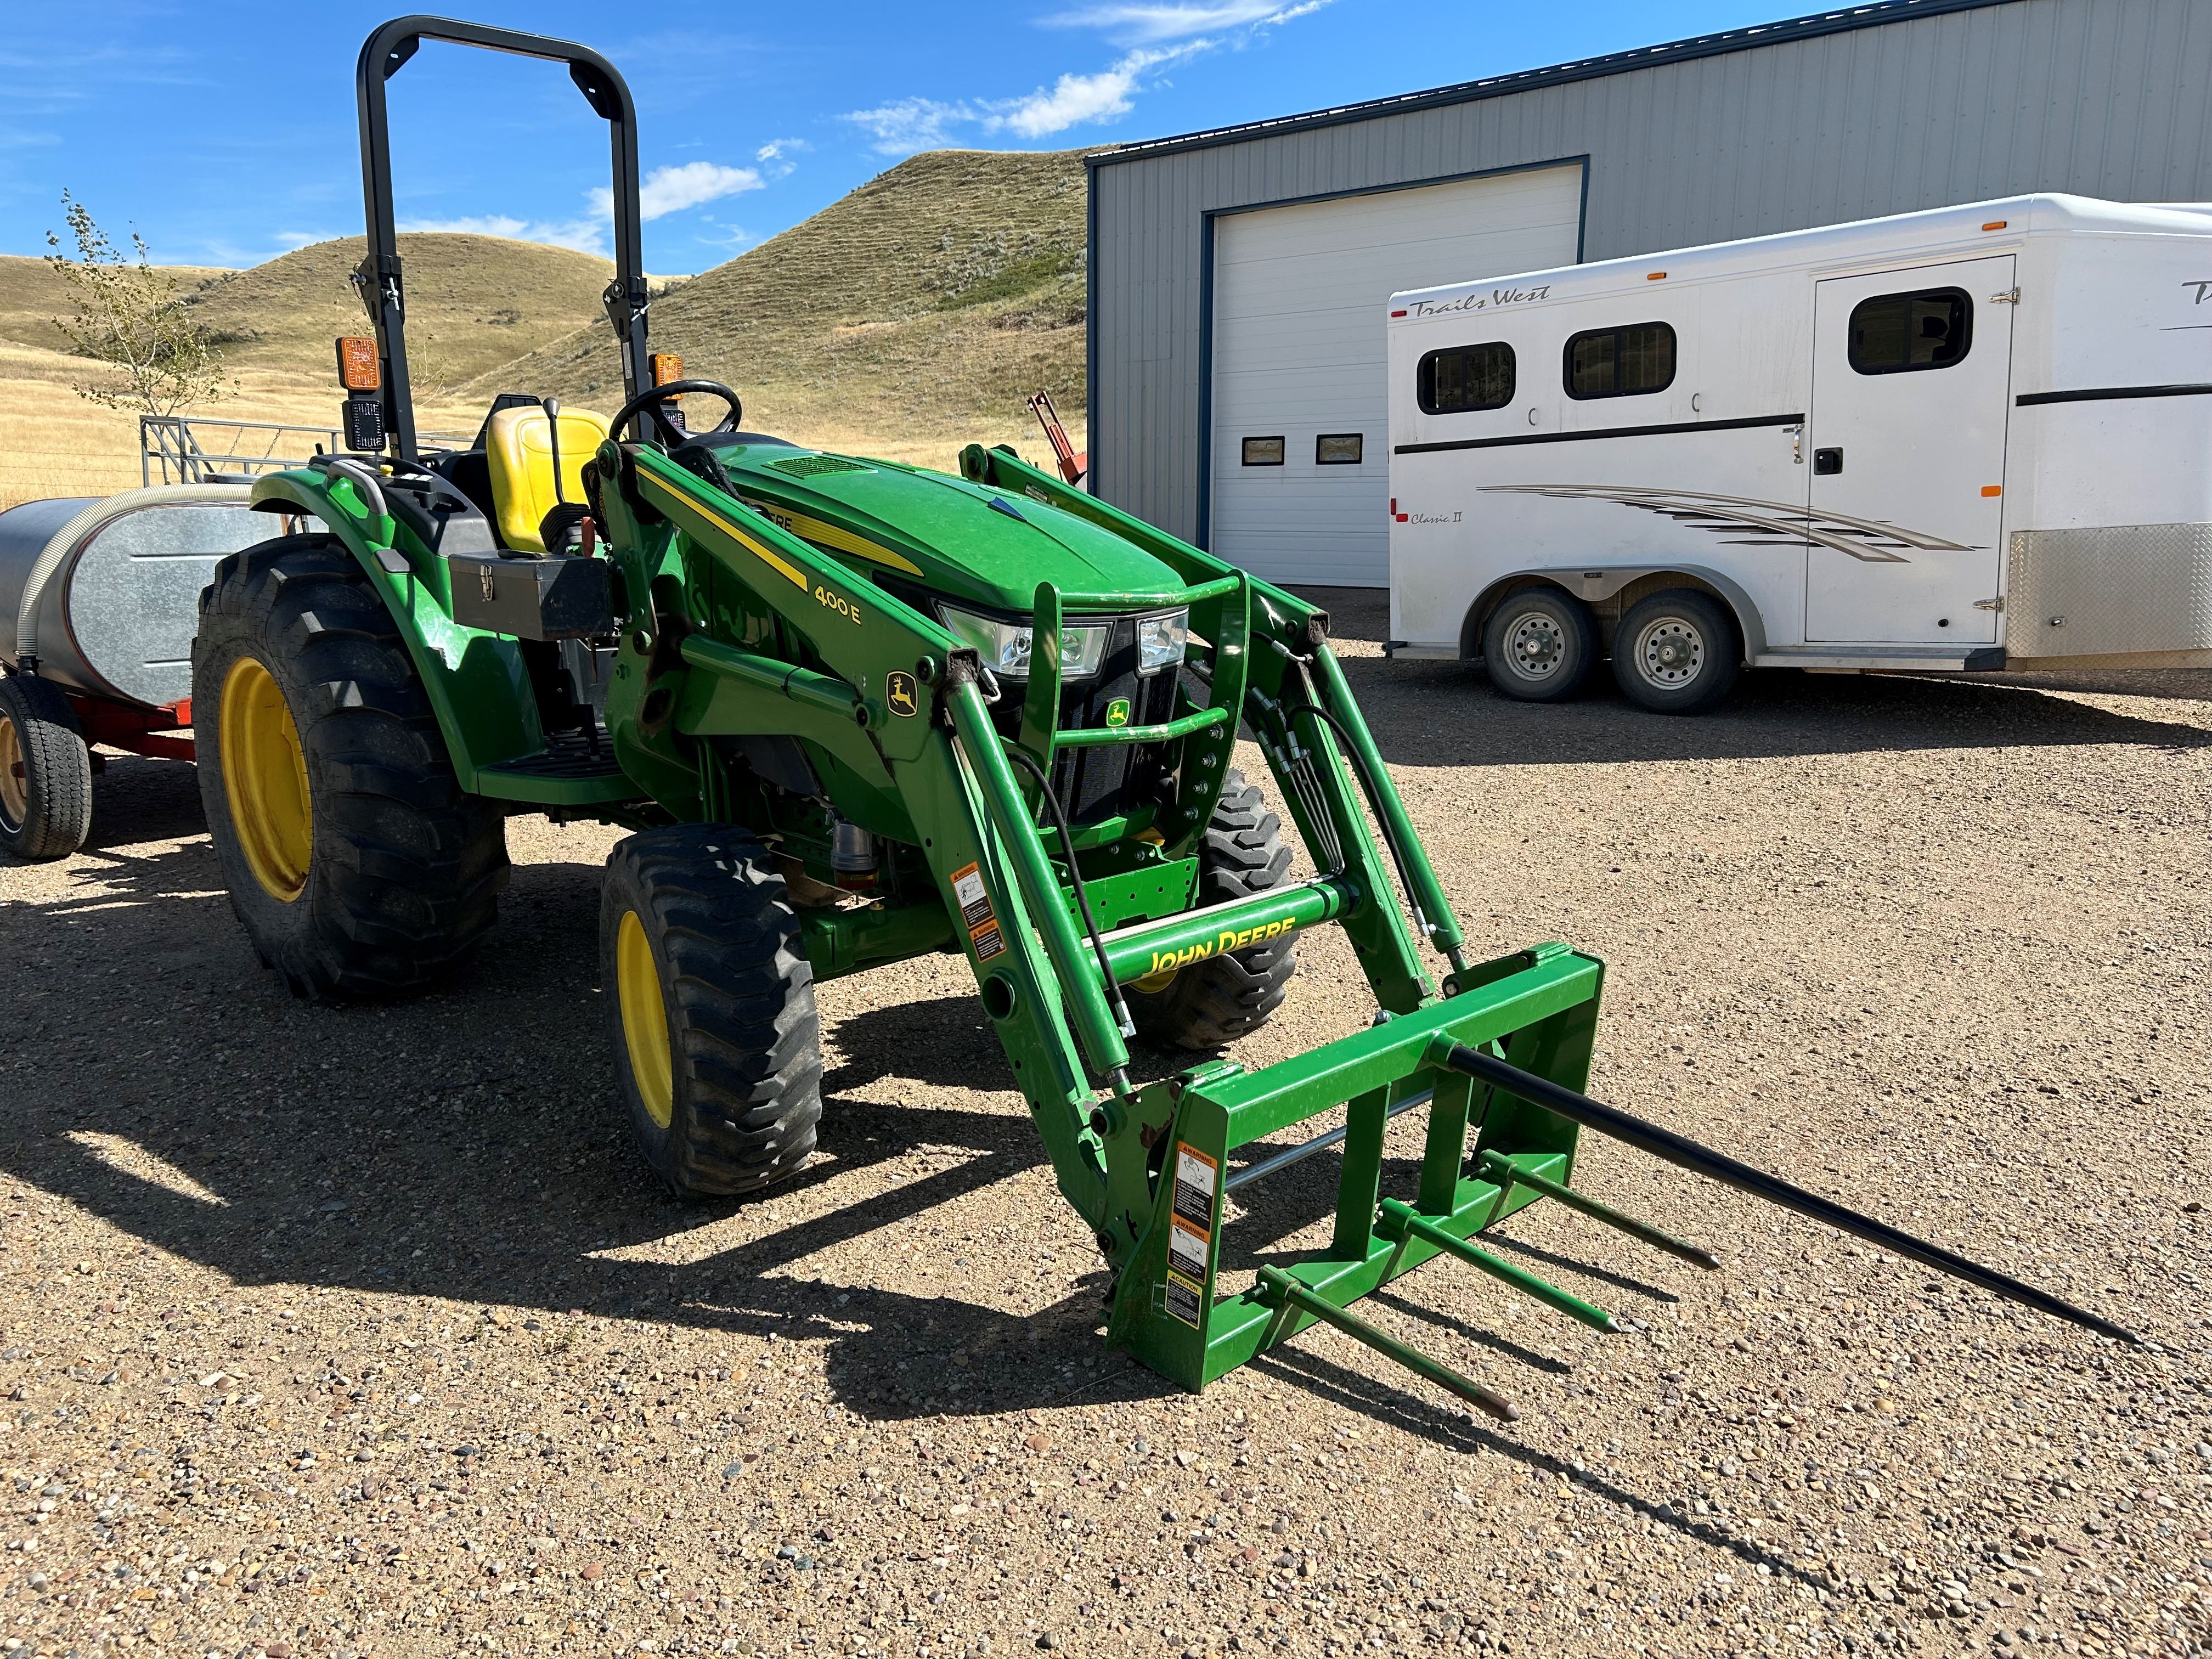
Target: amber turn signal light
358 369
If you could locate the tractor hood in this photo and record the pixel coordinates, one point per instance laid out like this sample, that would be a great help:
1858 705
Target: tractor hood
964 542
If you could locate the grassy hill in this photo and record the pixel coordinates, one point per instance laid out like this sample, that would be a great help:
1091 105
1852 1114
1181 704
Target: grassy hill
909 318
32 296
912 315
473 302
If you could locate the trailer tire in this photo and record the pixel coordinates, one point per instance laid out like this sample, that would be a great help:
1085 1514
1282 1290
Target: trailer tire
710 1002
46 772
358 866
1538 645
1677 653
1213 1002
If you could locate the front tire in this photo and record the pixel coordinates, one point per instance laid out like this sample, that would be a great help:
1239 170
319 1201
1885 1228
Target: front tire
46 772
1212 1003
710 1003
1538 645
1676 652
358 864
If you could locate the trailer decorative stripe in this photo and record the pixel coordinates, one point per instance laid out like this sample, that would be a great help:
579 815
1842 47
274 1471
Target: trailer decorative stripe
1603 432
1754 523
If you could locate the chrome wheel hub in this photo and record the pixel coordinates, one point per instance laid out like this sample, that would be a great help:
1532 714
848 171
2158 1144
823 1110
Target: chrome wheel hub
1538 644
1671 652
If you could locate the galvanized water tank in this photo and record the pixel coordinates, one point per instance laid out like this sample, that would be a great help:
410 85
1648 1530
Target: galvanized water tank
104 592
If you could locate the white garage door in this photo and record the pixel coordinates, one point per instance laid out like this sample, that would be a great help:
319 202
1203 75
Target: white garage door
1298 296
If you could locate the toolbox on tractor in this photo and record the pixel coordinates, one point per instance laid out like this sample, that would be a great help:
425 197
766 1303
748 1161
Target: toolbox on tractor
855 711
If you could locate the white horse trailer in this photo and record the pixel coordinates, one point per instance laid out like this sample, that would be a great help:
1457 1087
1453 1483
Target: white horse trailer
1968 439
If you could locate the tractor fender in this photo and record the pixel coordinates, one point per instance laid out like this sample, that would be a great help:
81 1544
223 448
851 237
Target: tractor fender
477 684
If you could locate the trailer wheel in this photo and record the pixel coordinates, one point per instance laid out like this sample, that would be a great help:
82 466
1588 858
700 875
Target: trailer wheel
358 864
710 1002
1538 645
1215 1001
46 772
1676 652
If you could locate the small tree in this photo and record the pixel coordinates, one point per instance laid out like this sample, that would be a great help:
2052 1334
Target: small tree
132 320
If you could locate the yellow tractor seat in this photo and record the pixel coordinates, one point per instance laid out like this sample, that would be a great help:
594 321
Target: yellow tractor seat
519 451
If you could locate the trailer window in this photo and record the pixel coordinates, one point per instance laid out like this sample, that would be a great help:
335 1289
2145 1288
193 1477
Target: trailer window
1899 333
1464 379
1621 362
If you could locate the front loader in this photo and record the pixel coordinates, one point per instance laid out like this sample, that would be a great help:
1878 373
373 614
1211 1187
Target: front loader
854 712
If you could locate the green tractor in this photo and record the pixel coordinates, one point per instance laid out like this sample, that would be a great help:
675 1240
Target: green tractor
854 711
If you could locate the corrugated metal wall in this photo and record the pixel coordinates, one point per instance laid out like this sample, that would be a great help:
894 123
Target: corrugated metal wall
2097 97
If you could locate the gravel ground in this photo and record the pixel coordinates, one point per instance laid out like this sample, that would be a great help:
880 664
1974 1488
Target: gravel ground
362 1331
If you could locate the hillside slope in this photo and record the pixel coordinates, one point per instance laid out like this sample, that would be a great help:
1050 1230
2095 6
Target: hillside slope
32 297
472 302
920 309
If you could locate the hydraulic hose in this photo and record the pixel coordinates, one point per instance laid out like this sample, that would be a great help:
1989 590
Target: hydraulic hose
1028 764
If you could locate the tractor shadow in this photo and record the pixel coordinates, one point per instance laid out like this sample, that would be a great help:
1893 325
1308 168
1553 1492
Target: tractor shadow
467 1146
1434 713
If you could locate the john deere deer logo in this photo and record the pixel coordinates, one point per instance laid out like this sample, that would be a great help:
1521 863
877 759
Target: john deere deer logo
1117 712
899 693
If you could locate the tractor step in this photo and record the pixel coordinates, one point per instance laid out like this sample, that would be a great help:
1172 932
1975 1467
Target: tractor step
569 771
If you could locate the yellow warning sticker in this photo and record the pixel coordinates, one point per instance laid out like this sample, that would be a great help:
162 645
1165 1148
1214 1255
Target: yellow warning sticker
976 912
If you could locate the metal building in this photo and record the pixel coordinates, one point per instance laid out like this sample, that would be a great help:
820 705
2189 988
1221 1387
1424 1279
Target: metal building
1237 275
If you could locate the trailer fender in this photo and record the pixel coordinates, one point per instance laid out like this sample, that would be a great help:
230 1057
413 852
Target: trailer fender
477 684
1609 591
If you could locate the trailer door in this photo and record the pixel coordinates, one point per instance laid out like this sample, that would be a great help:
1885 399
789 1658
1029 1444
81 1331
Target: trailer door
1912 384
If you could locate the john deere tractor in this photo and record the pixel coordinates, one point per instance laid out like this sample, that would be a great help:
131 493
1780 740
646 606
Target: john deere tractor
854 711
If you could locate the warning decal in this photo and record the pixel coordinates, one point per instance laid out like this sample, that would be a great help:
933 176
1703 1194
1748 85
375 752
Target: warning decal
1188 1248
1184 1300
1196 1175
976 911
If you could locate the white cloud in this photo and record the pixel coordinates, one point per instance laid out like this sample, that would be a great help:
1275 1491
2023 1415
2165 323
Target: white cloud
672 189
1195 25
776 155
585 235
1144 23
911 123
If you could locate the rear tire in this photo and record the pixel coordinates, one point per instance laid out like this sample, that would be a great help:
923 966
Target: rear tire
46 772
710 1002
358 864
1539 646
1215 1002
1676 652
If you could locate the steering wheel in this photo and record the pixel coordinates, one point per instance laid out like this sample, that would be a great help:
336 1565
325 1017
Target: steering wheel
653 399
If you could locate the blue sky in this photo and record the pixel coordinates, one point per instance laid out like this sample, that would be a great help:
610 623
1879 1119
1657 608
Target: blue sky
222 131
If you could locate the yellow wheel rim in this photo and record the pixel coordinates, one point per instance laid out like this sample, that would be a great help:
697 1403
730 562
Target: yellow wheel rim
14 787
645 1020
265 777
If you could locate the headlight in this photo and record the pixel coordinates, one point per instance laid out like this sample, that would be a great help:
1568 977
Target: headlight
1004 646
1162 640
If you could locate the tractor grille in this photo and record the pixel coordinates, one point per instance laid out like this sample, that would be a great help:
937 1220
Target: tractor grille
1109 782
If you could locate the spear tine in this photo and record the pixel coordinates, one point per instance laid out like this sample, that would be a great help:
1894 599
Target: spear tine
1714 1166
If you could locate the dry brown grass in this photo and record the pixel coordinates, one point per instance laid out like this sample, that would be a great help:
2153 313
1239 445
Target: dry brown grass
473 302
904 321
930 300
32 297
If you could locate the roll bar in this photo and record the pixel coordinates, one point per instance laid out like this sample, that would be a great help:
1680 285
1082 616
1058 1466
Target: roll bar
377 278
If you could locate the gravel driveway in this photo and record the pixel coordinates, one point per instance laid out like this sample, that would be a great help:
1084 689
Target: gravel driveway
361 1330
